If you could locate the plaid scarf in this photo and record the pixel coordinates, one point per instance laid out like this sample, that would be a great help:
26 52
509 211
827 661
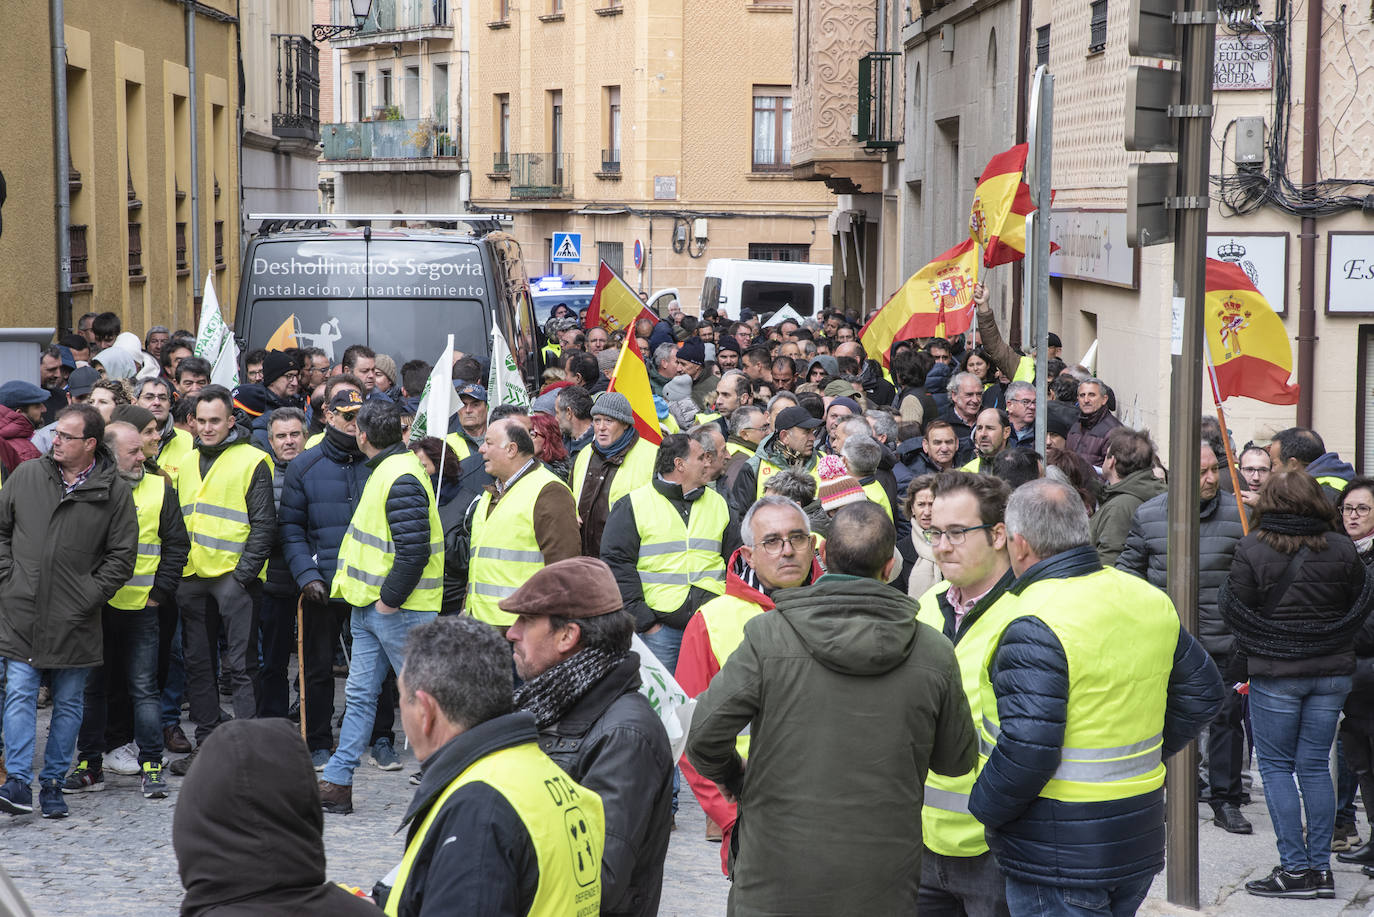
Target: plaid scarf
549 695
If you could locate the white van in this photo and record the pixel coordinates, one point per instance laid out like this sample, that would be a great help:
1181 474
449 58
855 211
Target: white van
732 284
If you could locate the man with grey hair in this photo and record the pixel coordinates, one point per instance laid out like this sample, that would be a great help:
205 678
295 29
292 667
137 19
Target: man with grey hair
580 680
712 443
748 426
486 782
863 456
663 367
1088 437
965 392
1020 397
1072 790
799 487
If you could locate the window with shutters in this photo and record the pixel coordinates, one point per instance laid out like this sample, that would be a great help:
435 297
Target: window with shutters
1042 46
1097 37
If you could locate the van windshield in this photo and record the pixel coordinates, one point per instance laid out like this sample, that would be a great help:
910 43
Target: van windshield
398 296
770 296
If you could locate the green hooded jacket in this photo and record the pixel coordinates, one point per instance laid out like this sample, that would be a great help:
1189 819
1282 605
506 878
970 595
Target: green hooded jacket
1112 522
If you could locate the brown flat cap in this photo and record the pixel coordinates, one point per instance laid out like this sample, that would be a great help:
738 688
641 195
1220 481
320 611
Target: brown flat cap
579 587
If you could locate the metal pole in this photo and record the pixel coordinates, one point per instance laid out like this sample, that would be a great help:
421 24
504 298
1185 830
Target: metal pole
61 163
1185 419
1307 236
1036 278
194 106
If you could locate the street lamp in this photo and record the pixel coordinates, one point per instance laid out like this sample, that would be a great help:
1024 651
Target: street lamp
361 9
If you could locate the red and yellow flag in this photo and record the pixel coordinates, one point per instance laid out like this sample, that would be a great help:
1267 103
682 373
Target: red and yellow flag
284 338
936 302
997 220
631 379
1249 346
615 304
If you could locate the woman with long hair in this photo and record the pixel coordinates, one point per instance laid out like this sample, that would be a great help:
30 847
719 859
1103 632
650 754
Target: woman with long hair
1296 597
548 444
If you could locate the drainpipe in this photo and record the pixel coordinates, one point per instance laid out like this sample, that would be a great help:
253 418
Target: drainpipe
194 106
1023 39
464 111
61 159
1307 237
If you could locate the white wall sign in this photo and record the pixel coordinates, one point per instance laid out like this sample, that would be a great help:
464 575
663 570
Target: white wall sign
1092 247
1350 273
665 187
1263 257
1243 62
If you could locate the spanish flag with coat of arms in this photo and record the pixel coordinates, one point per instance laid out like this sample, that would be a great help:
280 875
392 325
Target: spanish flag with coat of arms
1246 339
936 302
997 220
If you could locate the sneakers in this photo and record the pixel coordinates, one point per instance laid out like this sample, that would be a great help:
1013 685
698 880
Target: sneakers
1346 837
123 760
180 766
1226 815
416 777
319 758
336 799
50 800
1324 881
85 779
175 741
384 755
1284 884
154 784
16 798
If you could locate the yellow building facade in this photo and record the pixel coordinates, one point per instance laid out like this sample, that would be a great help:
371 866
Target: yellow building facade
130 173
667 124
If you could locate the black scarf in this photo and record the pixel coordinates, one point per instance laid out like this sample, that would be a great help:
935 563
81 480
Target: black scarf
550 695
1292 524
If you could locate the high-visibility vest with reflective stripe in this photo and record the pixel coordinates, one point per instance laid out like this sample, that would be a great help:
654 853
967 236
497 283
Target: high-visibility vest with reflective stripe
564 820
173 453
216 509
314 440
148 497
367 552
673 556
878 495
946 825
724 618
505 551
1336 482
767 469
706 416
1119 667
1025 370
636 471
461 447
737 449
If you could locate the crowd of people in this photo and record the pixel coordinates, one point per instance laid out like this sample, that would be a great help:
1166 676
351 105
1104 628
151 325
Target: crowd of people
818 534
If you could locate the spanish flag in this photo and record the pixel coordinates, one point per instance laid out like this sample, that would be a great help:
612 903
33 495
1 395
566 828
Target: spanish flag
936 302
631 379
284 337
1248 344
614 304
1001 202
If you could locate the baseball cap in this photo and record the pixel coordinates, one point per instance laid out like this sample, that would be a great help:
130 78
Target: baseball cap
346 400
82 380
473 391
795 417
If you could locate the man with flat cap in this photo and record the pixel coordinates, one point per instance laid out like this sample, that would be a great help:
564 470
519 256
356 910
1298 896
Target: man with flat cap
581 683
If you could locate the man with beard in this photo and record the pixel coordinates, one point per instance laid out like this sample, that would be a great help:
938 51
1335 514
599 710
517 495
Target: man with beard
990 434
581 683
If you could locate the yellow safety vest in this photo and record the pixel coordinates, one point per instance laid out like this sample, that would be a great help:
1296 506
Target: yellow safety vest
551 353
878 495
1025 370
564 820
173 453
148 497
673 556
505 551
946 825
314 440
767 469
1119 667
367 552
724 618
216 509
636 471
1335 482
737 449
668 424
706 416
461 445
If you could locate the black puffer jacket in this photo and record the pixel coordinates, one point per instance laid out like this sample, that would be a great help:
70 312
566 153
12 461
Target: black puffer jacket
613 743
1311 630
1219 532
260 500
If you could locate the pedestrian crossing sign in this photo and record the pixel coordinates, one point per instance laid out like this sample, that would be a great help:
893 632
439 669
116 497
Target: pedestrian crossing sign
567 247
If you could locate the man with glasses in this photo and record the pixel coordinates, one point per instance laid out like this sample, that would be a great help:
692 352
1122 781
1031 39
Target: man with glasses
749 426
1255 467
958 872
1021 409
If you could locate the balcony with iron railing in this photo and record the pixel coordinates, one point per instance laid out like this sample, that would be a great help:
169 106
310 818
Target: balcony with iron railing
296 115
540 176
421 145
393 21
610 164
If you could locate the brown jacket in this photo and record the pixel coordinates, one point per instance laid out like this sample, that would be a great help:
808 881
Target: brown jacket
554 521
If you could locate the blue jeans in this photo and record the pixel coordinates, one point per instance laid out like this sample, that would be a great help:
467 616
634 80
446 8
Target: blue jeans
378 640
21 721
174 686
1294 723
1029 899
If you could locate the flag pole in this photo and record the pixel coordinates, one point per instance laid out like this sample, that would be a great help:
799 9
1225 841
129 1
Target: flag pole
1225 437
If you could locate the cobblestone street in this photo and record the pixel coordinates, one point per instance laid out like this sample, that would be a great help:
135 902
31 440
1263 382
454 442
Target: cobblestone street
114 857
